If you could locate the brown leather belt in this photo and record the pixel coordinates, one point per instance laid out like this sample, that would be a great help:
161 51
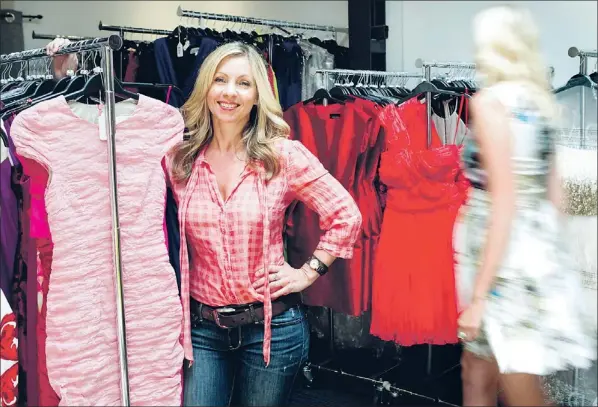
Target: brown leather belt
237 315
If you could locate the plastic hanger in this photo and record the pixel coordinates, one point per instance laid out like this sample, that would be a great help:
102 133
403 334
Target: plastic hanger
95 86
321 95
577 80
425 87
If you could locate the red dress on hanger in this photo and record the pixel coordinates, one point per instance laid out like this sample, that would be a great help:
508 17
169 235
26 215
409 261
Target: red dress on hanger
414 297
339 136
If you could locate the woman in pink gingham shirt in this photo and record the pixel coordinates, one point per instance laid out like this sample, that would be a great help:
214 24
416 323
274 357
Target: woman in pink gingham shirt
245 333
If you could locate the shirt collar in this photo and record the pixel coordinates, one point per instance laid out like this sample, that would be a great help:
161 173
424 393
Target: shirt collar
255 168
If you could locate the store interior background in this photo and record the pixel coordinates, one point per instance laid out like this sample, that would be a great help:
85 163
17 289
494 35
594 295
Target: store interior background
431 30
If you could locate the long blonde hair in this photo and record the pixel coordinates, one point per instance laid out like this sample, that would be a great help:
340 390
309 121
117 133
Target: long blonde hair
265 125
508 50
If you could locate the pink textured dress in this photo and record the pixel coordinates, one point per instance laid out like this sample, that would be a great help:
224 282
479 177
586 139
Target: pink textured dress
81 345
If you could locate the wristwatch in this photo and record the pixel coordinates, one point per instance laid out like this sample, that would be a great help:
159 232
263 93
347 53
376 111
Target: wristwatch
315 264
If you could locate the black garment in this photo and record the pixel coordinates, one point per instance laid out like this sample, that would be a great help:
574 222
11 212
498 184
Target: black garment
147 71
341 54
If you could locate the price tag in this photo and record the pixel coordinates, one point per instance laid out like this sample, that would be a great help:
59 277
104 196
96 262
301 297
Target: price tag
179 50
187 45
102 126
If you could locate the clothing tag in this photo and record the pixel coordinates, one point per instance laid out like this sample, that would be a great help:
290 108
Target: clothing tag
179 50
102 126
187 45
194 51
334 115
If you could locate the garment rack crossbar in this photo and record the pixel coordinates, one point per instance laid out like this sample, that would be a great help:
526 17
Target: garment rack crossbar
136 30
39 36
258 21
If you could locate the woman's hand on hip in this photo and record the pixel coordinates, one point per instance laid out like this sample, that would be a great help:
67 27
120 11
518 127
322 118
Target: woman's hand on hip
285 280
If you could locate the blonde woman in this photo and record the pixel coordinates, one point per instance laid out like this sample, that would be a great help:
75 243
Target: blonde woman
521 311
245 331
233 179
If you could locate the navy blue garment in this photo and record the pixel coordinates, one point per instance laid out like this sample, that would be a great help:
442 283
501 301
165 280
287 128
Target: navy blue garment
287 63
206 46
174 238
166 70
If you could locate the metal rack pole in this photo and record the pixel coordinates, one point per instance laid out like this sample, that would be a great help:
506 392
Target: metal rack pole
38 36
136 30
258 21
107 46
427 65
583 55
366 72
420 63
381 385
110 117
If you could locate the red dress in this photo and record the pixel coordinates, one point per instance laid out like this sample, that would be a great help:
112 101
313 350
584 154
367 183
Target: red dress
414 296
341 137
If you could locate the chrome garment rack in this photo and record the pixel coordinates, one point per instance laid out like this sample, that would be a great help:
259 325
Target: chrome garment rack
381 387
136 30
121 30
379 74
280 24
38 36
327 73
583 56
106 45
427 73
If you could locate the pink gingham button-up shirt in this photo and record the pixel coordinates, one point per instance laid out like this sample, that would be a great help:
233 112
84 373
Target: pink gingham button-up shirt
224 243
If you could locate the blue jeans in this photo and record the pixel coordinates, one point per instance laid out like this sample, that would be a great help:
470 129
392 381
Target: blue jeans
229 365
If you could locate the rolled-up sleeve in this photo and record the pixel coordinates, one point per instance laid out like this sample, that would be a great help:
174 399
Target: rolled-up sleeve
312 184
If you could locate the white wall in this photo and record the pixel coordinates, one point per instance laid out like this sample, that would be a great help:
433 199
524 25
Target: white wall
441 30
82 17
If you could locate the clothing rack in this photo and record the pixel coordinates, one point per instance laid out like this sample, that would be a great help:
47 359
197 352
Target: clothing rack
336 72
37 36
107 45
260 21
379 74
381 386
583 55
427 69
368 73
136 30
121 30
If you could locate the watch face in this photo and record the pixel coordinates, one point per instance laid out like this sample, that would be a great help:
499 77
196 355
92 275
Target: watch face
314 264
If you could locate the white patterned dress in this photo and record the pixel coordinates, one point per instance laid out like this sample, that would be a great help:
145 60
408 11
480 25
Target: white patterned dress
534 320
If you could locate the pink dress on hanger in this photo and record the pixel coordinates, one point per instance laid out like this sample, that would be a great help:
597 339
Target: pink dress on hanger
81 345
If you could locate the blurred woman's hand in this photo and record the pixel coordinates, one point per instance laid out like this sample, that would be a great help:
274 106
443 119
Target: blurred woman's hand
61 63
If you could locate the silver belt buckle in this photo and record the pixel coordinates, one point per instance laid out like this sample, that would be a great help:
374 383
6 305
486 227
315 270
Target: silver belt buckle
216 314
225 310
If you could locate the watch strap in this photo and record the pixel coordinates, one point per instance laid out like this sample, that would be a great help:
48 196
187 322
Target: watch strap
316 264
